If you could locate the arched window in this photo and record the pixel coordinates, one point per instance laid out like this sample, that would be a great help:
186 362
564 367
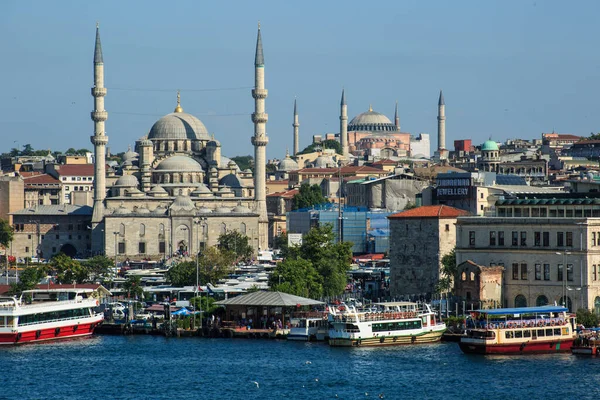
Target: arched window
142 229
472 278
161 231
541 301
243 228
597 305
463 276
122 230
520 301
566 302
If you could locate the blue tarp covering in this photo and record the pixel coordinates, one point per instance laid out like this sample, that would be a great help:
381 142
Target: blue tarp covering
524 310
182 311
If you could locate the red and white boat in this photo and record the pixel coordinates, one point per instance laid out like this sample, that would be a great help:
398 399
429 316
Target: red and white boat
520 330
48 314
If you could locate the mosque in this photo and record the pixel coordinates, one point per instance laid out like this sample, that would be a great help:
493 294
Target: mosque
176 191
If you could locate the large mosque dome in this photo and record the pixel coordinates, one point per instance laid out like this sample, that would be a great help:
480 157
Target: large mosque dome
371 121
179 164
179 125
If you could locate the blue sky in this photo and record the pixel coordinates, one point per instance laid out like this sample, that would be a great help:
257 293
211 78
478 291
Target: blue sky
509 69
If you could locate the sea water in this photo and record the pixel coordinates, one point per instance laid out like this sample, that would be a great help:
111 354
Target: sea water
154 367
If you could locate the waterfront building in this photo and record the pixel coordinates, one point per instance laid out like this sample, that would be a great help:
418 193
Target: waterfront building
176 191
419 239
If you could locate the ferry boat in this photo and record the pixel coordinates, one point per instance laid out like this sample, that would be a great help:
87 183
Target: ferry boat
309 326
520 330
587 343
385 324
48 314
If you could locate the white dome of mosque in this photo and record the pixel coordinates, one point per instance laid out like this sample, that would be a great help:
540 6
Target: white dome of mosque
371 121
287 164
179 125
201 189
179 164
127 181
324 162
182 203
240 209
226 160
130 155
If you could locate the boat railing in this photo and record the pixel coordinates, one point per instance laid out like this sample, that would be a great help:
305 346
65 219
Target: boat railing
51 303
60 319
519 324
382 316
309 314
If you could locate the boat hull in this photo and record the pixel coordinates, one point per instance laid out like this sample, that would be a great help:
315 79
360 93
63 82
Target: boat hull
391 340
32 335
585 350
530 347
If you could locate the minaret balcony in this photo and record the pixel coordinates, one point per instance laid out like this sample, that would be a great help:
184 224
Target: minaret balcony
260 118
99 116
98 91
260 93
259 141
99 140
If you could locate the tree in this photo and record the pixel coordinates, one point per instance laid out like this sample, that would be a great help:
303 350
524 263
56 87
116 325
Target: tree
448 273
410 205
326 144
587 318
99 266
213 264
133 287
308 196
27 150
68 270
244 162
6 233
298 277
29 278
182 274
236 242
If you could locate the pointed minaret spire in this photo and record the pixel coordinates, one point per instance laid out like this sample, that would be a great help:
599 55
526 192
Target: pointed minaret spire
98 49
397 118
441 122
344 126
441 100
259 59
296 125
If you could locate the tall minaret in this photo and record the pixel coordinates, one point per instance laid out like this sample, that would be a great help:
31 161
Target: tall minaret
397 118
99 140
260 140
344 125
441 122
296 125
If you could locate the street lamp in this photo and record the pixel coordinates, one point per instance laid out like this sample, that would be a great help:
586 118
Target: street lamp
116 247
564 253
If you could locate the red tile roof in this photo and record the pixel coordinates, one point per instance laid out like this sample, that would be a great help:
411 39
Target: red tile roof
349 169
76 170
287 193
387 161
41 179
438 211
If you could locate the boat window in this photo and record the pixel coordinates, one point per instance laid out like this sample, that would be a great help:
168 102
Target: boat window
509 334
540 333
549 332
518 334
556 331
527 333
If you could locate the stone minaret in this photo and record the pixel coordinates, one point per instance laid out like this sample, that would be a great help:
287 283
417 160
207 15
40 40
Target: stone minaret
296 125
99 140
441 122
344 125
259 141
397 118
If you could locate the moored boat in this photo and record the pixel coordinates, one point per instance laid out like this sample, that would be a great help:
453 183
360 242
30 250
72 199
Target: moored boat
587 343
309 326
42 315
520 330
385 324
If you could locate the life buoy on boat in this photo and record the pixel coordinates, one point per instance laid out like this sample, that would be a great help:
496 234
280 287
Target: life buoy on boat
57 332
501 325
38 333
540 323
552 322
18 336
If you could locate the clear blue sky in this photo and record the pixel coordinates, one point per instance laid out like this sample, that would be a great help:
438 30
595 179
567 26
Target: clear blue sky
509 69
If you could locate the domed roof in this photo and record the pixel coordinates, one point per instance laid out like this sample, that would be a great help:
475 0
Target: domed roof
204 210
222 210
130 155
179 164
287 164
201 189
225 162
121 210
127 181
158 189
241 209
371 121
324 162
231 180
489 145
160 210
142 210
179 125
182 203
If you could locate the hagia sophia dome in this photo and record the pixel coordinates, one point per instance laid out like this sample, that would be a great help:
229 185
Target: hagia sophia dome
371 121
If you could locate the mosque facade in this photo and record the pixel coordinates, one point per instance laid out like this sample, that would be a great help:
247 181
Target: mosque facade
176 191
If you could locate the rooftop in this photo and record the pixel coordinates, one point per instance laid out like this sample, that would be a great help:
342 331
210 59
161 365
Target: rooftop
75 169
437 211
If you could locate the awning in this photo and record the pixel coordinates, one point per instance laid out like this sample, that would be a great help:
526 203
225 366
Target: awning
269 299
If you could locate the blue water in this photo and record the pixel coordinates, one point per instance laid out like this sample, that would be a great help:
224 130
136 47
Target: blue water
152 367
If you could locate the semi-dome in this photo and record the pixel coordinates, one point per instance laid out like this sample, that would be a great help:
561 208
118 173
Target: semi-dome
130 155
179 164
127 181
182 203
121 210
201 189
142 210
226 160
489 145
179 125
204 210
222 210
371 121
231 180
160 210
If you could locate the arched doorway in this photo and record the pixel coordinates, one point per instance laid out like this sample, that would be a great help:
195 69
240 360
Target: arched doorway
566 302
182 247
520 301
541 301
69 250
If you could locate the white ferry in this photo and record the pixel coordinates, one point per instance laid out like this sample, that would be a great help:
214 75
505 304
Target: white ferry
519 330
48 314
386 324
309 326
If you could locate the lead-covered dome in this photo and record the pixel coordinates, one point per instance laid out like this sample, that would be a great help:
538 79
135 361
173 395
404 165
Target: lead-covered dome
179 125
371 121
179 164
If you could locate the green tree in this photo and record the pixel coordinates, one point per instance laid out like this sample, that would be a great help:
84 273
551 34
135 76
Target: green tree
326 144
308 196
29 278
213 264
81 152
68 270
448 273
133 287
6 233
298 277
244 162
236 242
410 205
99 266
587 318
70 151
182 274
27 150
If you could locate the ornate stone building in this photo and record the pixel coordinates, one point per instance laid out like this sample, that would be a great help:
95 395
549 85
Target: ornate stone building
176 191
